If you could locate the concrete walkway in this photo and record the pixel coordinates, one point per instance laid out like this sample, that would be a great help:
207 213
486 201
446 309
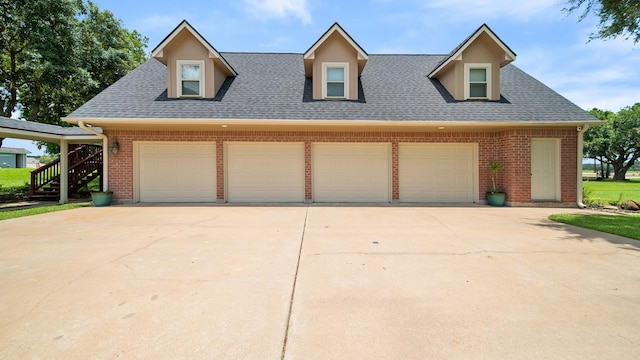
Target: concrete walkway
318 282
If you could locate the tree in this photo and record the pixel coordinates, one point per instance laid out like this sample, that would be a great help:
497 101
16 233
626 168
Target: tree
617 141
57 54
617 17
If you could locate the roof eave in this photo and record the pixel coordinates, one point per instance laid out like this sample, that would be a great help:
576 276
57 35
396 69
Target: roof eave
224 123
46 137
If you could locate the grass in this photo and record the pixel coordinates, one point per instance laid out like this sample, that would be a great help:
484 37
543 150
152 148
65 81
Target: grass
623 225
611 192
10 178
12 214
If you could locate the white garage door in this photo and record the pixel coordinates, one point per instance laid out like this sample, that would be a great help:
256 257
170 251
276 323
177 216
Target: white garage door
351 172
177 172
265 172
437 173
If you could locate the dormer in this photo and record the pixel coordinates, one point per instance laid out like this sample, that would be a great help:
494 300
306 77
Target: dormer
334 63
472 70
194 68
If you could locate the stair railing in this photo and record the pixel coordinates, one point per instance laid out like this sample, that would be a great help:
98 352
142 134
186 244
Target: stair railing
44 175
83 161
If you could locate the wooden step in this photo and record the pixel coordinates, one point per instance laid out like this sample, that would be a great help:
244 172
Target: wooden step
45 197
85 163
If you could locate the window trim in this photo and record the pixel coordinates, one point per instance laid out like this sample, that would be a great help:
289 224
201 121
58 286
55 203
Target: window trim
467 81
179 64
345 67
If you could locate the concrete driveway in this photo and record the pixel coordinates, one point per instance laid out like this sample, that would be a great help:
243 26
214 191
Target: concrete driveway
318 282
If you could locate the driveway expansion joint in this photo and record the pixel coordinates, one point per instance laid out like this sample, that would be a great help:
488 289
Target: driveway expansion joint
293 287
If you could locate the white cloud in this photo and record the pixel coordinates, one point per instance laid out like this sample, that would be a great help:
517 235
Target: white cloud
265 9
491 9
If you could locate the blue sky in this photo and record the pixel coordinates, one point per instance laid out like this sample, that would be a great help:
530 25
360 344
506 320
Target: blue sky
550 45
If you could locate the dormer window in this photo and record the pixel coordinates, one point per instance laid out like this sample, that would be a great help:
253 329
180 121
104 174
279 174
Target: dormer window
334 64
477 81
190 78
472 70
335 80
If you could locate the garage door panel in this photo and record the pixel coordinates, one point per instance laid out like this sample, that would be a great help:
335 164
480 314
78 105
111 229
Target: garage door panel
177 172
351 172
265 172
437 173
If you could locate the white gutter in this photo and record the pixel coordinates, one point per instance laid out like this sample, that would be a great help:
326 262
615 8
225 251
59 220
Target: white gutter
581 130
449 125
105 153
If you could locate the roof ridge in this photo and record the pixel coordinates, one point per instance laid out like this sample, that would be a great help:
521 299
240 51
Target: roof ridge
260 53
294 53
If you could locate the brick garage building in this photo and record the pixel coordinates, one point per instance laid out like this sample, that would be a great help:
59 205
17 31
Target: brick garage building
335 124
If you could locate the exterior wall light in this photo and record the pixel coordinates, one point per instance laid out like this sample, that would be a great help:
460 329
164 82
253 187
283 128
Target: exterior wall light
114 147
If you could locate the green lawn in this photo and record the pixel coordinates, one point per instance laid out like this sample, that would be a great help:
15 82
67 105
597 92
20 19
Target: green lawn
609 192
12 214
623 225
14 177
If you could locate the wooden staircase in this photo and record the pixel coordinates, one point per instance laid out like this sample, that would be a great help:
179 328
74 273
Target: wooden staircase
85 164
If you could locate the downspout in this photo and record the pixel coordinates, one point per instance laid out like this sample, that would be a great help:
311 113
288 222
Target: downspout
581 130
105 153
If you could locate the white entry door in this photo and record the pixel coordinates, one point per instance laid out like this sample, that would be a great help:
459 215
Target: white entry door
545 169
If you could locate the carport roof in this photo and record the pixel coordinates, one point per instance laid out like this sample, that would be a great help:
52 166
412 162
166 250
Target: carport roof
30 130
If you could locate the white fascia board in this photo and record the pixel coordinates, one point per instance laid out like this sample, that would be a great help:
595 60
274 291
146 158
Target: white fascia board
46 137
271 122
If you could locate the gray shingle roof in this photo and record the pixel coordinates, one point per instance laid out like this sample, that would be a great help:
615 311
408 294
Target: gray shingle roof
43 128
273 86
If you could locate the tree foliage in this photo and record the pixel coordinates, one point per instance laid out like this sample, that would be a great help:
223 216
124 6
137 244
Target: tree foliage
617 141
617 17
57 54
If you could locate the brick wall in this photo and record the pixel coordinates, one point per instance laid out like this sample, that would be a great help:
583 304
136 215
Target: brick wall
512 146
515 150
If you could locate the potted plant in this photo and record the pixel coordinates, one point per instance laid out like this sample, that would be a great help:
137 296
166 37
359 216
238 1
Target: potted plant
495 195
101 198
